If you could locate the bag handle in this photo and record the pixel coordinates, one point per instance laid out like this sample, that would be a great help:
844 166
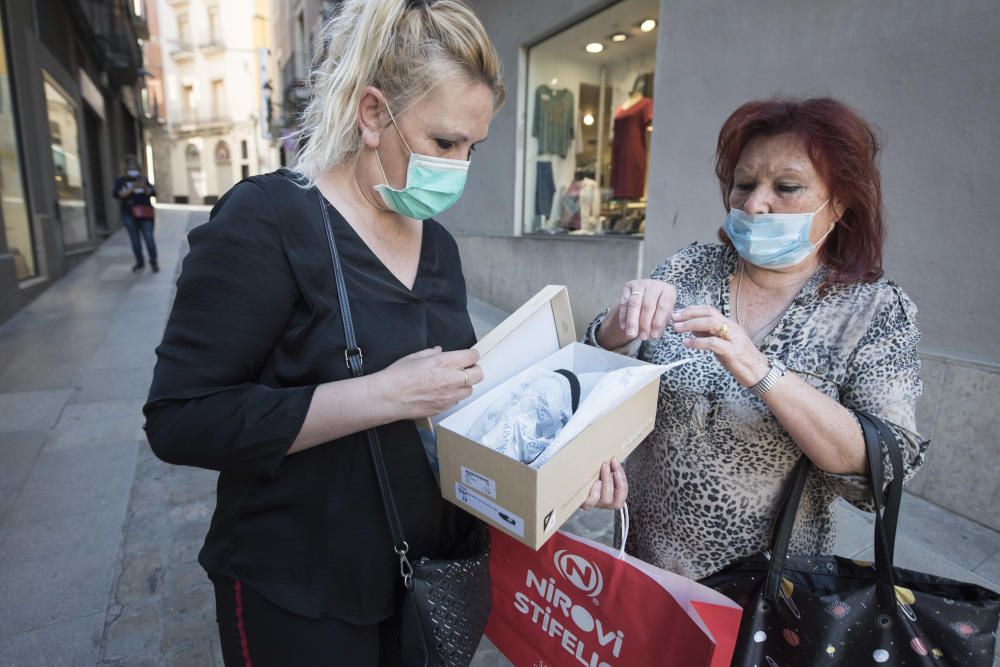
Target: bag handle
355 362
876 434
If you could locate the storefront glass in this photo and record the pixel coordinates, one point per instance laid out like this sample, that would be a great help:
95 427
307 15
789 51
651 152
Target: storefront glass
16 221
589 119
65 134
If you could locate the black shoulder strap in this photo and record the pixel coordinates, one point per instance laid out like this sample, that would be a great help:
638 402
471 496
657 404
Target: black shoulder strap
355 362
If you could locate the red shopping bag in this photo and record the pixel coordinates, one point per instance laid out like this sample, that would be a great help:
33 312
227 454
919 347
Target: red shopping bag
576 602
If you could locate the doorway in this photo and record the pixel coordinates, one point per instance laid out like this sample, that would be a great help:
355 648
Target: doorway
92 124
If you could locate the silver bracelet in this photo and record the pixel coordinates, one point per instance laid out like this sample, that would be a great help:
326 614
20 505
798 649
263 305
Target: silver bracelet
775 372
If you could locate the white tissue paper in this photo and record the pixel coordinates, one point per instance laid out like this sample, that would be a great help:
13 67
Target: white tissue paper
531 417
609 390
526 416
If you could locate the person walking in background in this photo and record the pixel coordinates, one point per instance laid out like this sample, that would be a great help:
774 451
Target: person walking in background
134 191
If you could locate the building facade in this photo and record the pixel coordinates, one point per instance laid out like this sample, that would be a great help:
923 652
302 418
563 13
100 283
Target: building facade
295 41
214 68
600 164
70 81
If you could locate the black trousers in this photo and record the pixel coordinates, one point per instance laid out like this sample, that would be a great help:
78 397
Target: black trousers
254 631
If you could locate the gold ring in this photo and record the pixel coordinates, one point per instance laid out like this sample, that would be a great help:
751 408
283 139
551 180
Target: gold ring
723 331
466 374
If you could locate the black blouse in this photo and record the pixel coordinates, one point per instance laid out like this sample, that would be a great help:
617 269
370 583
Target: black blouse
255 327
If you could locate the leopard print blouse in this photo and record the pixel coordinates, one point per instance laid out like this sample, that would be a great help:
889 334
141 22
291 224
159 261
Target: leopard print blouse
706 485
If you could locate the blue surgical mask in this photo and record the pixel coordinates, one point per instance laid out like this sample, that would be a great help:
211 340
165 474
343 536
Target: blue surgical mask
772 240
134 173
433 184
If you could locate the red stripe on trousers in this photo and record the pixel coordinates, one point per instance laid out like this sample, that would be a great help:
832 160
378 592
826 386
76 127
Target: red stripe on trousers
239 624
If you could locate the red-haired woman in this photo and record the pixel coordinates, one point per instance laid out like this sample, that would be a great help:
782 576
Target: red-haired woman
792 327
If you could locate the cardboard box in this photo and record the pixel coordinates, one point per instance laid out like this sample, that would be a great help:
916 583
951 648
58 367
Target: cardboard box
526 503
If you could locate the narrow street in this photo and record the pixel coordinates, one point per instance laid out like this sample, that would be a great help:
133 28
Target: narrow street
99 539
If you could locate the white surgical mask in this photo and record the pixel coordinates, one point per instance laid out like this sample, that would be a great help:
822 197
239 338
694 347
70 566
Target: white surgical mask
772 240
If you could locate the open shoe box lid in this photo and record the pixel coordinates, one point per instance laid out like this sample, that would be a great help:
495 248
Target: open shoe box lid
542 326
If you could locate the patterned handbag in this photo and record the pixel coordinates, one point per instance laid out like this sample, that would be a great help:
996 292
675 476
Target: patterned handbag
446 603
827 610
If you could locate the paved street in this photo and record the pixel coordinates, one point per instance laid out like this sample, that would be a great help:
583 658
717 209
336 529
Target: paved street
98 539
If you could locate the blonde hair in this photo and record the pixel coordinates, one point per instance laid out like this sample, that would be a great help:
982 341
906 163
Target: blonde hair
402 47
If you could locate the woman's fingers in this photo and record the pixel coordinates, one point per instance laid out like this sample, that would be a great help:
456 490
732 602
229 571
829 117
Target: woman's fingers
704 326
661 314
607 486
429 352
623 305
621 484
695 311
634 309
594 497
475 375
610 491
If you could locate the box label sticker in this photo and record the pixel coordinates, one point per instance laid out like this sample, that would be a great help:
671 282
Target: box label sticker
480 483
490 509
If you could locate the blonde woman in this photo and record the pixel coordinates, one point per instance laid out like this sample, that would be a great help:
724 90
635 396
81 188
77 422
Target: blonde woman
251 380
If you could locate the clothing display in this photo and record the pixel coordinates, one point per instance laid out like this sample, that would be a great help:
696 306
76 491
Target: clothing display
580 205
629 149
624 218
554 120
545 188
702 463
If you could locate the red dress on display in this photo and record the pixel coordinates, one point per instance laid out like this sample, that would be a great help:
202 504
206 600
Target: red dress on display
628 150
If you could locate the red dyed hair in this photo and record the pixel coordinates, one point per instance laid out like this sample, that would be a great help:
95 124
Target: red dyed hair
844 150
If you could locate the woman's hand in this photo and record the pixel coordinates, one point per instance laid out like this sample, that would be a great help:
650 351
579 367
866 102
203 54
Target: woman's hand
430 381
611 490
642 312
725 339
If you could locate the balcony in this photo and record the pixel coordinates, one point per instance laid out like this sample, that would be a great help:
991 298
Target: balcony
192 121
108 28
139 24
181 50
211 43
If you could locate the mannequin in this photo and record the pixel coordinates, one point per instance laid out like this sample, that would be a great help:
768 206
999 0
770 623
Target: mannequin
629 145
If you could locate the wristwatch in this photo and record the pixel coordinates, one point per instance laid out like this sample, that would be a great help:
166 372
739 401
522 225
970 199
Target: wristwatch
774 373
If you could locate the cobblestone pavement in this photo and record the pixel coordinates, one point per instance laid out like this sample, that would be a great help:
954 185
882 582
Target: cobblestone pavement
99 540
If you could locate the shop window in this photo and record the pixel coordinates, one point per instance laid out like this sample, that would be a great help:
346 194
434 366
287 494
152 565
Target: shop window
16 221
65 137
589 123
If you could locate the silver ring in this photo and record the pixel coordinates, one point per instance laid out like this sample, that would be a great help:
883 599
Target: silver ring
634 292
466 374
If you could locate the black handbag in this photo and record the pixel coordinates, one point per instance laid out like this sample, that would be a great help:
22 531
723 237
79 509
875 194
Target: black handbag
446 602
829 610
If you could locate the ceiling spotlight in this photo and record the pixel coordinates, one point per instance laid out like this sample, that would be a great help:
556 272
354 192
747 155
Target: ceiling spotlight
588 119
648 25
594 47
619 37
